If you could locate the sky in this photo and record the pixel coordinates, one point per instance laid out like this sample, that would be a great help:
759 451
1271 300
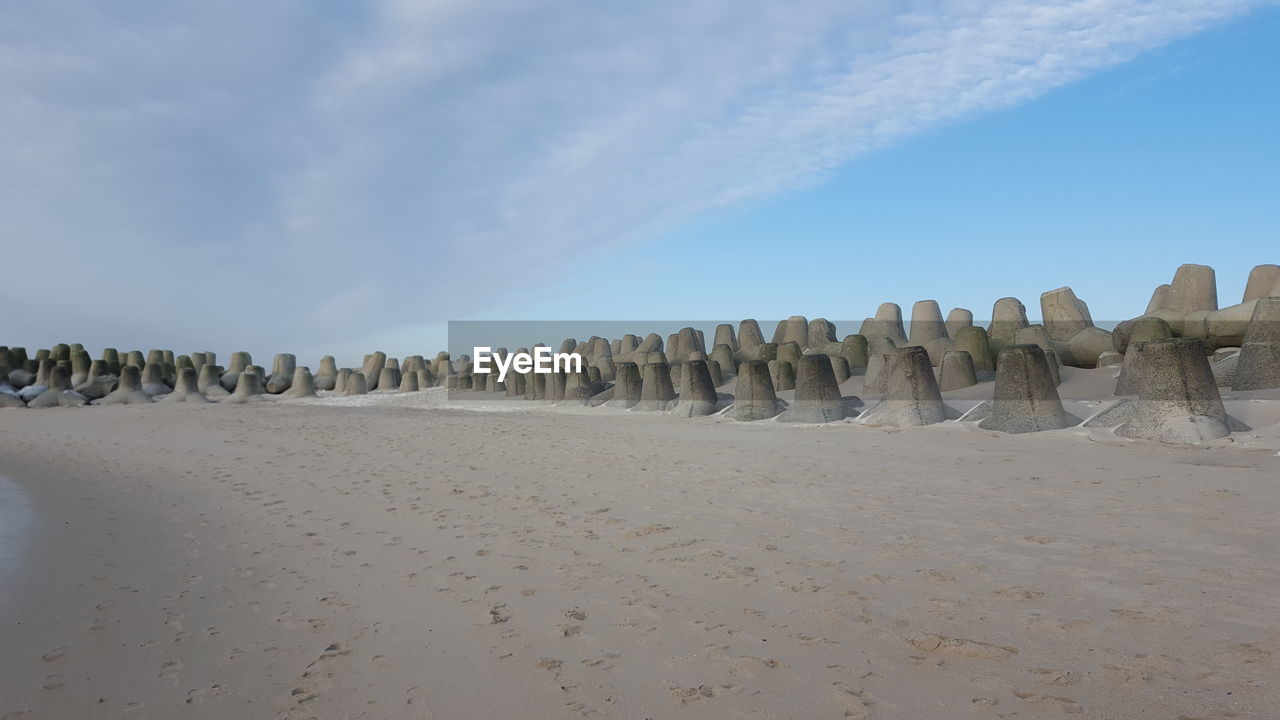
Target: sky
333 178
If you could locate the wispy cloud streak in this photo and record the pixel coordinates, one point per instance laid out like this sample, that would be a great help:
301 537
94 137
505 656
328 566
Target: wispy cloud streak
189 172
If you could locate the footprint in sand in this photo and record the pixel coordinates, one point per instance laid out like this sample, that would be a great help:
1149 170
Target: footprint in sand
853 701
1019 593
1052 703
688 695
1251 653
960 647
417 697
198 695
169 671
1061 678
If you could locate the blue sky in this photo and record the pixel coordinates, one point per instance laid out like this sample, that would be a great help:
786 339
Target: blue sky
199 175
1105 185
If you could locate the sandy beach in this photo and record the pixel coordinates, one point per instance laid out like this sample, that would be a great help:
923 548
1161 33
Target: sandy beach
698 360
388 556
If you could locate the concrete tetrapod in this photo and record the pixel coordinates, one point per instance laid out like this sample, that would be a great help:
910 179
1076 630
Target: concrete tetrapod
20 377
911 396
1131 369
1264 281
579 386
684 343
1065 315
111 357
282 373
749 337
1194 289
608 370
153 380
794 329
1258 364
725 336
556 384
652 343
1147 327
927 324
303 384
186 388
59 393
248 388
409 381
958 318
938 347
854 349
873 380
389 379
35 389
697 391
1008 315
974 341
817 397
327 376
239 362
9 398
783 374
129 391
717 375
208 382
1178 401
839 366
627 386
44 368
535 386
1026 397
956 371
80 363
99 382
656 391
822 332
513 387
886 324
355 385
372 369
754 397
788 352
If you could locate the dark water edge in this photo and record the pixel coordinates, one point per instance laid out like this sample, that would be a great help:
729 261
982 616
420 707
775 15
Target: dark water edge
17 522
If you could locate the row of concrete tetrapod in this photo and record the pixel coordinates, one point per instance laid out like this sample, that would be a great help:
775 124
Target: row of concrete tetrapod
635 372
1177 400
64 376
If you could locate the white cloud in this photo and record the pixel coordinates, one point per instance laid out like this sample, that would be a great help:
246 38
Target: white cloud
225 175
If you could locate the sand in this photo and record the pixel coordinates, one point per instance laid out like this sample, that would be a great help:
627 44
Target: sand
389 557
